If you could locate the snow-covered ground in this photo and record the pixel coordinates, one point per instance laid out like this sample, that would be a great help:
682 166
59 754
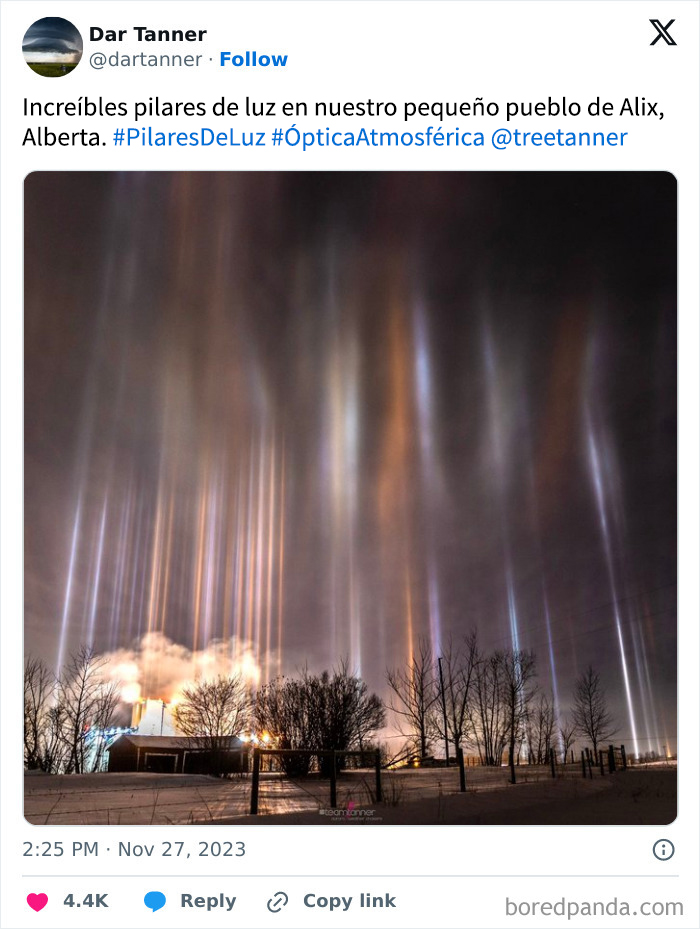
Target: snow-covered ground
423 795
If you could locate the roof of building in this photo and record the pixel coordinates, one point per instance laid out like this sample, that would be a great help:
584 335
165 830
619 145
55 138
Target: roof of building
175 741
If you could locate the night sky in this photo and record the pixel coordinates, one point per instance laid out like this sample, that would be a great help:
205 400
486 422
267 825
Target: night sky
278 418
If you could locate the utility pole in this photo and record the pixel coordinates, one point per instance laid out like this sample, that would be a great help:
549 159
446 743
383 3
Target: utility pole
162 715
444 713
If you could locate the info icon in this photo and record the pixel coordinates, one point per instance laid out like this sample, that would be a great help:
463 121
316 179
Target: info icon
663 849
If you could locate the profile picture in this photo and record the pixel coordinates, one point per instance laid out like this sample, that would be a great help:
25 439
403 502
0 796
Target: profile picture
52 47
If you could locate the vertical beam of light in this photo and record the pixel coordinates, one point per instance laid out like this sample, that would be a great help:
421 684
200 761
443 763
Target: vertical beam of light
97 577
116 621
210 564
644 694
249 575
136 605
87 421
330 452
594 460
497 433
355 611
154 584
340 458
259 553
199 570
228 557
512 607
408 600
434 613
659 722
167 560
652 716
351 434
270 564
239 569
552 661
403 510
132 575
537 533
644 687
280 559
424 404
68 596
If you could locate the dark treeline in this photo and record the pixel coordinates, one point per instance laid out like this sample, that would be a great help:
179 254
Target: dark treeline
65 717
487 704
490 704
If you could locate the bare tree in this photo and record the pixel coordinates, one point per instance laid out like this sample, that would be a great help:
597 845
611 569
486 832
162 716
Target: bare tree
331 711
460 664
518 671
39 686
543 729
414 695
590 710
282 707
567 735
55 748
487 715
86 699
344 713
213 711
107 700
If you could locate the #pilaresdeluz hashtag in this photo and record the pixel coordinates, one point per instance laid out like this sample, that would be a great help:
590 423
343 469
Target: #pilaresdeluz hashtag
204 137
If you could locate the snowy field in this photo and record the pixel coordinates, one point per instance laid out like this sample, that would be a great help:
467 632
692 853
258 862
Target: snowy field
643 795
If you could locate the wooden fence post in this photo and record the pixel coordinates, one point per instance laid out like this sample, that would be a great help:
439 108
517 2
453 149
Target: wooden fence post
462 775
611 759
583 763
552 762
624 757
600 759
255 783
377 777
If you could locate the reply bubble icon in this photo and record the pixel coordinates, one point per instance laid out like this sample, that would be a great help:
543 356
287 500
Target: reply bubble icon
154 900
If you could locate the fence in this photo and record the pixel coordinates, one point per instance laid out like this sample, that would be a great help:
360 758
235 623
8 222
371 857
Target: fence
377 784
333 756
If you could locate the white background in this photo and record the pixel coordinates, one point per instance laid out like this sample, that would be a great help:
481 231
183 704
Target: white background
351 51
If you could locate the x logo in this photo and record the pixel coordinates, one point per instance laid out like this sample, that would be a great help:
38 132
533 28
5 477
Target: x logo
663 31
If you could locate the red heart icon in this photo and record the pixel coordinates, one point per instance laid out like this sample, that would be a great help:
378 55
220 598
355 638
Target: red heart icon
37 901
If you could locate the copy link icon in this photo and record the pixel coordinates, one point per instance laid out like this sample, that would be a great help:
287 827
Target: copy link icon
275 904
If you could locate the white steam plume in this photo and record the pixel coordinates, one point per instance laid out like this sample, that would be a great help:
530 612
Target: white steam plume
158 668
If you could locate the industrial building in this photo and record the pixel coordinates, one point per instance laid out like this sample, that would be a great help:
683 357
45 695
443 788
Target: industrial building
175 754
153 717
